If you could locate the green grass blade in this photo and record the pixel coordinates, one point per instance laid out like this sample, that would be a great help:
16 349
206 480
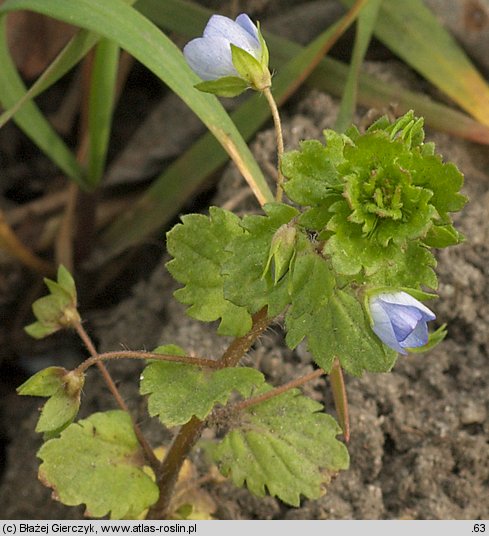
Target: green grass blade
71 54
143 40
412 32
165 197
331 76
364 30
30 120
101 106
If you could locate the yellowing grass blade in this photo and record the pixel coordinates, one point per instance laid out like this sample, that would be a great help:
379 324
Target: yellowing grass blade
412 32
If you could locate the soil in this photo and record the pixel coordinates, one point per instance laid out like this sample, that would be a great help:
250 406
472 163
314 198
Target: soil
419 447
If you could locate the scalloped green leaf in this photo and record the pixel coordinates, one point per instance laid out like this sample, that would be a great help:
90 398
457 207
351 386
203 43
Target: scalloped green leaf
198 246
178 391
311 286
310 172
98 462
392 265
411 267
284 446
245 281
443 179
387 198
339 328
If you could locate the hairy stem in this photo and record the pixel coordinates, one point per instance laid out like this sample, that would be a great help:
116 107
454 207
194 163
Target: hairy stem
131 354
148 451
277 391
190 432
280 141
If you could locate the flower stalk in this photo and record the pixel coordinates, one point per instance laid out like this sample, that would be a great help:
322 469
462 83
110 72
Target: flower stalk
148 451
280 141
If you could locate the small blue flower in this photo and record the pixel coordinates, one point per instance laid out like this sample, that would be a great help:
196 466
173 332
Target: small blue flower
210 56
399 320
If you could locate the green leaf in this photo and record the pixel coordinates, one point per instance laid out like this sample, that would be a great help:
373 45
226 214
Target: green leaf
442 236
443 179
63 389
376 200
250 69
58 309
282 251
285 446
36 330
245 282
98 462
312 285
66 281
311 174
177 391
44 383
58 412
339 328
198 246
70 55
227 86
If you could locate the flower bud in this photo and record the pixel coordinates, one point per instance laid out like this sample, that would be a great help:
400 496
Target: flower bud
282 251
230 57
399 320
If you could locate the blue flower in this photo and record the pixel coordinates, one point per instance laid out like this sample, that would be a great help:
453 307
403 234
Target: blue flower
210 56
399 320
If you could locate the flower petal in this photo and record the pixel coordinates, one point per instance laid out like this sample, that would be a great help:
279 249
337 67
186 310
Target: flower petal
404 319
220 26
247 24
419 337
382 326
403 298
210 57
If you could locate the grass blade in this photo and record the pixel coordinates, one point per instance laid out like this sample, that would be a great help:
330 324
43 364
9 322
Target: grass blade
101 106
30 119
147 44
412 32
69 56
364 30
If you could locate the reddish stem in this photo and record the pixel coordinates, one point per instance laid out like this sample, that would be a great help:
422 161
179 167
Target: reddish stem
190 432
